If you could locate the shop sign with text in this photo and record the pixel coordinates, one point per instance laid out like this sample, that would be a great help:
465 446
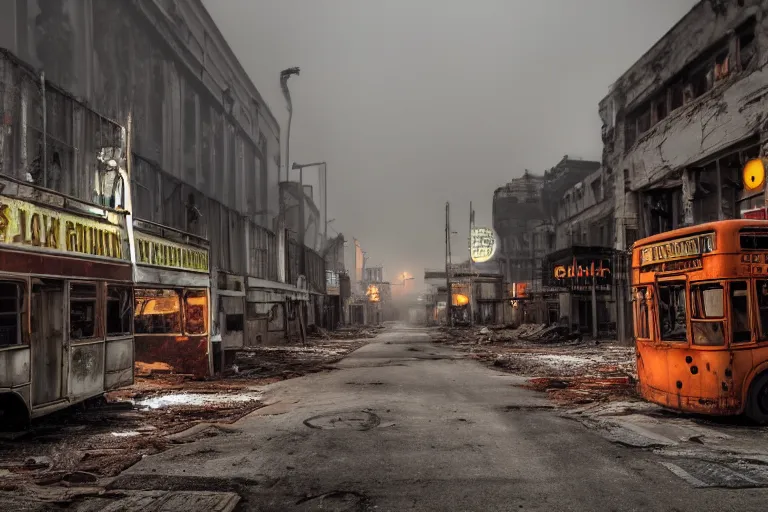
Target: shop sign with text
482 244
158 252
581 275
681 248
30 226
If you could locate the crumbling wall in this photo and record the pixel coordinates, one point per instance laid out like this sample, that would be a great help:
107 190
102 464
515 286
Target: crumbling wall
729 112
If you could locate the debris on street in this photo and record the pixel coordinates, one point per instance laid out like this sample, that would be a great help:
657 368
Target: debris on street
572 372
85 444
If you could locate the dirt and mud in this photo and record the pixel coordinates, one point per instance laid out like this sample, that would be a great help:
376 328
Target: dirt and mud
571 371
88 443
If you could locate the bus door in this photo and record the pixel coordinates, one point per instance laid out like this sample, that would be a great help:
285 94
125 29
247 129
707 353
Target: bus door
651 362
48 342
672 312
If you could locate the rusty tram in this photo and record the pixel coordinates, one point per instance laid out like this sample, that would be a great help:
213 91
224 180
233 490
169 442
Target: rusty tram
66 301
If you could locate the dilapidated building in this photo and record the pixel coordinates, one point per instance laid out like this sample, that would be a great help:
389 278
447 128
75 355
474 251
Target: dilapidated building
525 213
204 146
680 123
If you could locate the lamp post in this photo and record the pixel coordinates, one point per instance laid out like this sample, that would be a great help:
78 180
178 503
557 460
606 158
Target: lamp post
284 76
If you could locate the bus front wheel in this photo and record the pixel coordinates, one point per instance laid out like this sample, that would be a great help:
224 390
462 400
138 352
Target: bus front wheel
757 401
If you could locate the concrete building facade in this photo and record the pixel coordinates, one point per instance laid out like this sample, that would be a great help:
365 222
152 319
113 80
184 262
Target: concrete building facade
679 125
204 145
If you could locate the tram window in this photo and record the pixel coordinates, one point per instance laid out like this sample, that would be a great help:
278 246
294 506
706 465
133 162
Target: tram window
740 331
195 311
672 313
119 310
12 313
641 314
82 310
157 312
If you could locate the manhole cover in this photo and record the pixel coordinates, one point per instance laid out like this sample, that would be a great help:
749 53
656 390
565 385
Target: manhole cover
355 420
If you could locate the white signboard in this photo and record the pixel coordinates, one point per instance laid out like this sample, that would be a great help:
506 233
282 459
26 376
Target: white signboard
482 244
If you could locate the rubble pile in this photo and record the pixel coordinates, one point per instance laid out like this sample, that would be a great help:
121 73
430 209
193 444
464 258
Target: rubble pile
88 444
85 444
274 363
347 333
571 371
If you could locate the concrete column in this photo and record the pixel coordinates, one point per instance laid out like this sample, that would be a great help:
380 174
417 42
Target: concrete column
689 188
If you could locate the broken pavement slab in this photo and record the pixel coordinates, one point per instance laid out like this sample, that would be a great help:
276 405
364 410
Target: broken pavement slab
162 501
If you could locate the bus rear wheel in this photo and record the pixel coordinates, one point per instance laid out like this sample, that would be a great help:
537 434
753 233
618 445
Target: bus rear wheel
757 401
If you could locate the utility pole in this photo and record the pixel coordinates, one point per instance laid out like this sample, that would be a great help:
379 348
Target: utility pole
449 301
471 268
594 302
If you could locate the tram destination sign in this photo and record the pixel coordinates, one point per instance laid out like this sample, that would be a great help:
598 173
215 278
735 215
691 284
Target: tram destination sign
678 249
157 252
34 227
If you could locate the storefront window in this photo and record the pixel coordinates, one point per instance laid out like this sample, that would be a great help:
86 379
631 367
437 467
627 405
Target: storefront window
12 313
195 311
157 312
82 311
119 310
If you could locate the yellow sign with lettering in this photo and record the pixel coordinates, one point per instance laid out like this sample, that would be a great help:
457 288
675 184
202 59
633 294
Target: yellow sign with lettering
682 248
35 227
158 252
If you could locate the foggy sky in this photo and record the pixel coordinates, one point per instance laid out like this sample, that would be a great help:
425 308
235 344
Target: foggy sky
417 102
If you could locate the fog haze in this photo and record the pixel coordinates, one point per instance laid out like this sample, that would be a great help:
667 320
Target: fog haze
415 103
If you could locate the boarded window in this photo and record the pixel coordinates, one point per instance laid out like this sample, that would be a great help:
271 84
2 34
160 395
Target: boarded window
157 312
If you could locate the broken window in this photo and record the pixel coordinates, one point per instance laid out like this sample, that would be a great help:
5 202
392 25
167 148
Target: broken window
660 108
642 327
739 295
157 311
12 313
83 298
644 121
195 312
677 96
722 66
747 48
119 310
707 314
672 312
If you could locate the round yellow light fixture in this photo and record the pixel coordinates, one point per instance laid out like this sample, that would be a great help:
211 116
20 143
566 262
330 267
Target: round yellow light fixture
754 175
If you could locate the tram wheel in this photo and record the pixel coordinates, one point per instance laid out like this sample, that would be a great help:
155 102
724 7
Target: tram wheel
757 401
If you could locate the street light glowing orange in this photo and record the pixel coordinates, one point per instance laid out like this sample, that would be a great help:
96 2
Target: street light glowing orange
754 174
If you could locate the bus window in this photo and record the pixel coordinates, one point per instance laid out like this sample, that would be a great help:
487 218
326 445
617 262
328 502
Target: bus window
157 312
195 311
672 314
641 314
762 304
707 314
740 331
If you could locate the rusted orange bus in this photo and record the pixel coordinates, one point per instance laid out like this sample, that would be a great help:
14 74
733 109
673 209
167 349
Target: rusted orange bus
700 304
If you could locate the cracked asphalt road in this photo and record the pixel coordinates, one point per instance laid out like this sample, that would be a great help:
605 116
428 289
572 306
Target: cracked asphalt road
404 424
